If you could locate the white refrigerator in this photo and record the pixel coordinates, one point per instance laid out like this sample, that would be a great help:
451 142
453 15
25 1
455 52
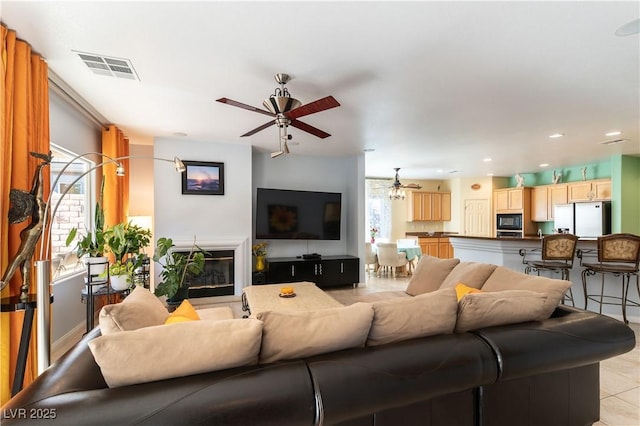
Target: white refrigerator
586 220
592 219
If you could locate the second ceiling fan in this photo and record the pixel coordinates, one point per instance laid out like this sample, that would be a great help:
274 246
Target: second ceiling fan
285 111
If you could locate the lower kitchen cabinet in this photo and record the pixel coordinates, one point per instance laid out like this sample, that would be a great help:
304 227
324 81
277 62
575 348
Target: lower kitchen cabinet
329 271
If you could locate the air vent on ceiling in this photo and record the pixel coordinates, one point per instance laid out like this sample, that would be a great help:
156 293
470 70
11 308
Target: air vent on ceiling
613 141
111 67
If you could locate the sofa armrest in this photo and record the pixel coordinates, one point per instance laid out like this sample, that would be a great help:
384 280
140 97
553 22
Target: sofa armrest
571 338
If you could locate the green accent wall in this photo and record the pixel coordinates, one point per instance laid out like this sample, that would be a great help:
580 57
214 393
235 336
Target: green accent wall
625 194
624 171
598 170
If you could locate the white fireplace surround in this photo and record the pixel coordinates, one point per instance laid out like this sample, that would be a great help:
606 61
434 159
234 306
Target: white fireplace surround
242 265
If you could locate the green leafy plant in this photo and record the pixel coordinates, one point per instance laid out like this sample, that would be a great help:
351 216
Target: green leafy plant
125 241
177 268
93 243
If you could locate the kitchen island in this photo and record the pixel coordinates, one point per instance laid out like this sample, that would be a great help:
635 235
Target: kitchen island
506 252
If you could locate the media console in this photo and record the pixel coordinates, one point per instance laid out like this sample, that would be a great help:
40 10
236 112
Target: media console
327 271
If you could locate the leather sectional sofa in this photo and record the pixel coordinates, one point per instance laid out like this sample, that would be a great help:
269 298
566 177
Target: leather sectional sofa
536 373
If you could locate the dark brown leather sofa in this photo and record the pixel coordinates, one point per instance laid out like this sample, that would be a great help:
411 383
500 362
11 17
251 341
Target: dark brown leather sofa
535 373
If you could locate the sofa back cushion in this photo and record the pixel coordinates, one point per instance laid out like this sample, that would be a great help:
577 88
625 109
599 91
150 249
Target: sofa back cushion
405 318
299 334
507 279
488 309
473 274
165 351
429 274
139 309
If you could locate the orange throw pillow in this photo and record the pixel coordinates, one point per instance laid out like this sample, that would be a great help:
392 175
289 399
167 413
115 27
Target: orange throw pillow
184 312
463 289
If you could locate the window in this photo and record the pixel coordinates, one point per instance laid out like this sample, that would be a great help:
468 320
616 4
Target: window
378 208
74 197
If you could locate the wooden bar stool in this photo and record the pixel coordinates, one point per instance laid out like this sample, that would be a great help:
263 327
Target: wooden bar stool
555 255
618 256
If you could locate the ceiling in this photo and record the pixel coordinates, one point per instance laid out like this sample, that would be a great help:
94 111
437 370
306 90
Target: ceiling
431 87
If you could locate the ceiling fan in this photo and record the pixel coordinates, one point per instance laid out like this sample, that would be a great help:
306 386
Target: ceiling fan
396 192
286 111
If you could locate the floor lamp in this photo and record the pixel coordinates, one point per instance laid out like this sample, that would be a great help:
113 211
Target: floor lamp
43 266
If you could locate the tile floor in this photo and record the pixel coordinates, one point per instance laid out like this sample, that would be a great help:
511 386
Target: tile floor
619 376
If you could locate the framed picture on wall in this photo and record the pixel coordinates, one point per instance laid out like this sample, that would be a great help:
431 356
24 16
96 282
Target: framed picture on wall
203 178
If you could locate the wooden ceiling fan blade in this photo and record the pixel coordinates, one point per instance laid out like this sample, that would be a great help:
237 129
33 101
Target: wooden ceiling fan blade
412 186
257 129
313 107
244 106
310 129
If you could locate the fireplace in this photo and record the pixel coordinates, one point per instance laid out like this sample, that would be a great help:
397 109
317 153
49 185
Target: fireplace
217 278
226 271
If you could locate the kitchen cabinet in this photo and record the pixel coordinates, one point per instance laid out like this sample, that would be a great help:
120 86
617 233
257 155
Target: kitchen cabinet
436 247
328 271
511 200
589 190
429 206
544 198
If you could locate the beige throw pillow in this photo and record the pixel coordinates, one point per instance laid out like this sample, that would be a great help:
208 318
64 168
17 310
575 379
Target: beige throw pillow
176 350
473 274
412 317
429 274
484 309
139 309
290 335
507 279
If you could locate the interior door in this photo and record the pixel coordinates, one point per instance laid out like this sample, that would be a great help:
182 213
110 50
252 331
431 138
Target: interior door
477 219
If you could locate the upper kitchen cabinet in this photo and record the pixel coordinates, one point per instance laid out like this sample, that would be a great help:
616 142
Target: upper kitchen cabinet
543 198
429 206
511 200
589 190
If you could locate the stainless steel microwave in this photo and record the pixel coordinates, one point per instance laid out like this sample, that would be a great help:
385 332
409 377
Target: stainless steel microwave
509 221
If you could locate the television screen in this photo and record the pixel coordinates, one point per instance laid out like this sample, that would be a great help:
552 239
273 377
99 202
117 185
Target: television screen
298 215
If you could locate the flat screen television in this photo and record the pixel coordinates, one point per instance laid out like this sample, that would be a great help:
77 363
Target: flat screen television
298 215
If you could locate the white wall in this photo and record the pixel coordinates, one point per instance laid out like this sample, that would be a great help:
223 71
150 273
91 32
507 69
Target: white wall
71 130
206 217
329 174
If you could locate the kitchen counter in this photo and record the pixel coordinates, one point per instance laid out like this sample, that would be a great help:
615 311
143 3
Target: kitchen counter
430 234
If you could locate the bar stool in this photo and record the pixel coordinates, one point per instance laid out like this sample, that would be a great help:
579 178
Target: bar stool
556 255
619 256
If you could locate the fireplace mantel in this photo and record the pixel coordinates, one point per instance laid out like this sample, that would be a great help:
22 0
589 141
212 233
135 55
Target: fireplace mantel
239 245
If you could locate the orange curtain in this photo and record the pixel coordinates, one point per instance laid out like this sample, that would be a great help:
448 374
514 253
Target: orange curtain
24 127
116 188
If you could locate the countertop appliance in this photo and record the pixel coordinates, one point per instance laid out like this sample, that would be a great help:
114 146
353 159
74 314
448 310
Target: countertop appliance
586 220
509 222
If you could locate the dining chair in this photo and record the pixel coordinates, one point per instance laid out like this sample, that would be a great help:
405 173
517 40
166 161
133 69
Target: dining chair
389 258
555 255
618 256
370 258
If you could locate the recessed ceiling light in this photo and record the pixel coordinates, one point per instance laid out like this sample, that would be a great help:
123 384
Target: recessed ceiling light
486 160
489 174
544 165
614 133
556 135
440 171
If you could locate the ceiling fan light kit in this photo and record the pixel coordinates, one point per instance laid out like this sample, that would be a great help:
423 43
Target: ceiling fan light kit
396 192
285 111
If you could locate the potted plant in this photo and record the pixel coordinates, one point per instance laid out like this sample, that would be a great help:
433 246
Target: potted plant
91 246
125 241
177 269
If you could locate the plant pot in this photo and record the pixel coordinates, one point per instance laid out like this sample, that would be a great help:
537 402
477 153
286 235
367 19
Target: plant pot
119 282
261 263
175 300
96 266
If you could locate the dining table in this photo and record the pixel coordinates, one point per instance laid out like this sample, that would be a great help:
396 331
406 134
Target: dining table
414 253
